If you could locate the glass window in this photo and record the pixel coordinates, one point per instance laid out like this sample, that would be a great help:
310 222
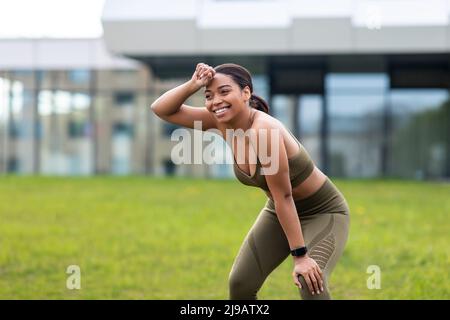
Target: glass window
64 130
80 101
76 129
123 128
121 148
345 82
13 165
355 106
310 123
419 133
79 76
14 130
124 99
261 86
281 109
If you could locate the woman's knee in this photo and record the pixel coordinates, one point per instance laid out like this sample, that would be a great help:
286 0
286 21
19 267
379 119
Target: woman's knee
306 294
241 287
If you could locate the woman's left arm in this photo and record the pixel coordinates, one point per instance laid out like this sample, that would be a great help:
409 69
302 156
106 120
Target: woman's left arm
274 160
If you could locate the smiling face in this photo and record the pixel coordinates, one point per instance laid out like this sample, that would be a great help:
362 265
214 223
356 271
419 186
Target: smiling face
224 98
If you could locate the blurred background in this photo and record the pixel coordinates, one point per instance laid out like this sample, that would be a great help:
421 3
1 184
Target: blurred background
363 84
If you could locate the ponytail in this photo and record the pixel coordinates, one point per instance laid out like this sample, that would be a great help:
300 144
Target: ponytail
259 103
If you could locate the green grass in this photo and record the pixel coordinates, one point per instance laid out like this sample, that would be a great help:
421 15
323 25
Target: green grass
155 238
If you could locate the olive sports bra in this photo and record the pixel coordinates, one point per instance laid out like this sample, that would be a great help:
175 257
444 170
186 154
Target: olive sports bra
300 167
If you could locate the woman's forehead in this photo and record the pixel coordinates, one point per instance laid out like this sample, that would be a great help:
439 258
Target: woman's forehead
218 81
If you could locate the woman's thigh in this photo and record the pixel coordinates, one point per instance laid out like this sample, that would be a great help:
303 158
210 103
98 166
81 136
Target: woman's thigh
325 236
263 249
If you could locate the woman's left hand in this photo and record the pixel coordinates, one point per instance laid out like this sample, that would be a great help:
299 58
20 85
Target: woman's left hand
310 271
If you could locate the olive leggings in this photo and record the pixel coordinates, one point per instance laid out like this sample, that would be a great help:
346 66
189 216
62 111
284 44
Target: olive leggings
324 218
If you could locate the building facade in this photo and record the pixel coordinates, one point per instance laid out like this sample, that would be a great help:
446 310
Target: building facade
365 89
71 108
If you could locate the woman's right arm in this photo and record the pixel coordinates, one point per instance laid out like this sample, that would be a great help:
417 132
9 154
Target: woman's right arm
170 106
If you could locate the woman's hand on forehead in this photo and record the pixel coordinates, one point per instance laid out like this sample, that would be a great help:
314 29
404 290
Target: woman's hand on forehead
203 74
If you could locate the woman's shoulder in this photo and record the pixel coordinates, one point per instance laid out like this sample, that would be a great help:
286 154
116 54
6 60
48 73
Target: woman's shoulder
263 120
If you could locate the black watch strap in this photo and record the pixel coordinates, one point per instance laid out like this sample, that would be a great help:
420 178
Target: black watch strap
299 252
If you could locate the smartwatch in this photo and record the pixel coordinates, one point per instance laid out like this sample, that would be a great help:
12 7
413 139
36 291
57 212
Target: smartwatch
299 252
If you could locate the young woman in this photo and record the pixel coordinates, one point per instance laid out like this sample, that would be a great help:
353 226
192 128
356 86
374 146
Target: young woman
305 215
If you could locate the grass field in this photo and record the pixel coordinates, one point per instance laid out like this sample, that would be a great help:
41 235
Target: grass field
155 238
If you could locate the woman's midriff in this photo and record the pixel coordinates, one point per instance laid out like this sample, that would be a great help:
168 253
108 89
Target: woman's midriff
314 181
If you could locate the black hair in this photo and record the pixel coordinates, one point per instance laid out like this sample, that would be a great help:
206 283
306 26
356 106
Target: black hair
243 78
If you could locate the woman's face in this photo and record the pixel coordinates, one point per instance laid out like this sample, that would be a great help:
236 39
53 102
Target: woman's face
224 98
